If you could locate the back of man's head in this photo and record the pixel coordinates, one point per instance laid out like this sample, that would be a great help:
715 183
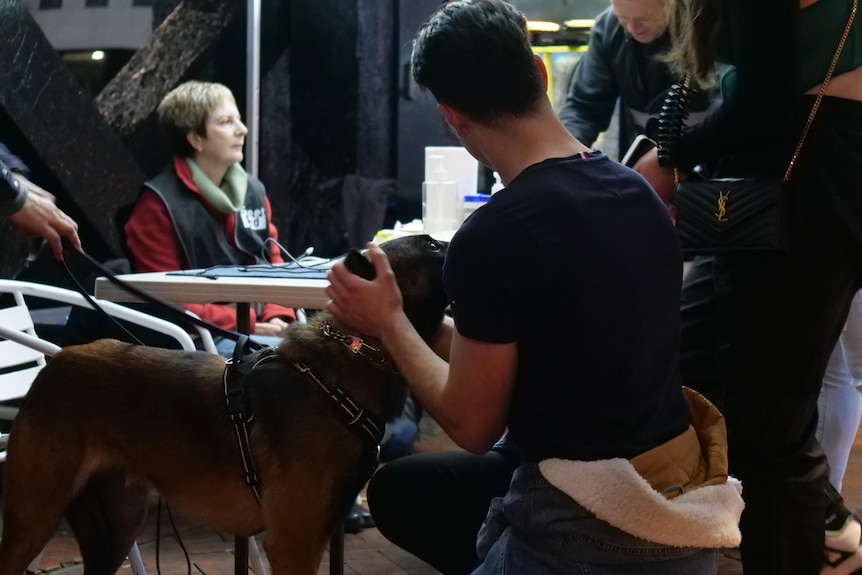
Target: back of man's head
475 56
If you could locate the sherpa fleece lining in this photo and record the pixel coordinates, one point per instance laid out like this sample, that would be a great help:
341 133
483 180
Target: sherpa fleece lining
615 493
678 493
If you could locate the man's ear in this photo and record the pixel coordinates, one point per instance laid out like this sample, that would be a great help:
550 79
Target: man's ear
359 265
543 70
453 118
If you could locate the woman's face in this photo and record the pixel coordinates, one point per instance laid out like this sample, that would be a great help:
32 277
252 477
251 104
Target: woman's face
645 20
225 135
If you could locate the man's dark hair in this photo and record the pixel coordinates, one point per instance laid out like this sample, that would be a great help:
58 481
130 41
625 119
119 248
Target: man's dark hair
475 56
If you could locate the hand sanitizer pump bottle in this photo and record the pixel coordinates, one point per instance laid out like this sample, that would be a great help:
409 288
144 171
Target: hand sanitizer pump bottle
440 208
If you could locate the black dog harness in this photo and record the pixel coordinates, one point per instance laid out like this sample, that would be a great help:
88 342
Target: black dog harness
368 429
235 370
355 418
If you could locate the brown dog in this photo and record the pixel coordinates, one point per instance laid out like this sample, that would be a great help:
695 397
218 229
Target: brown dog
107 421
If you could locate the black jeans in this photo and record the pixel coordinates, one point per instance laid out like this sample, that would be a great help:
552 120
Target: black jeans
757 332
433 504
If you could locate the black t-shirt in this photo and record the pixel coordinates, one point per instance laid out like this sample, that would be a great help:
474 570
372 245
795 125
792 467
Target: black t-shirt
578 262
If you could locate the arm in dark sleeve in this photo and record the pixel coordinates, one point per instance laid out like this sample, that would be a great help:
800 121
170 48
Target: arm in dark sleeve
12 194
757 117
593 90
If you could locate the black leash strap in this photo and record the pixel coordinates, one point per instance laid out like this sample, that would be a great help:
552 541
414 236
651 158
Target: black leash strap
90 300
179 313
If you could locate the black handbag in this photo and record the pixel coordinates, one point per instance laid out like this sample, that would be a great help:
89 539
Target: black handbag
732 215
735 215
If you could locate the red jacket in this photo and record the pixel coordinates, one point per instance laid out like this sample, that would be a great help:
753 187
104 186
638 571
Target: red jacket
152 241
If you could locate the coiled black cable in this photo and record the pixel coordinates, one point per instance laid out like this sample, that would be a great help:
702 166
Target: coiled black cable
671 122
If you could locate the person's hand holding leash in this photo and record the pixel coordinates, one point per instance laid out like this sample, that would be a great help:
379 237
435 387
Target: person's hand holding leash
41 217
373 307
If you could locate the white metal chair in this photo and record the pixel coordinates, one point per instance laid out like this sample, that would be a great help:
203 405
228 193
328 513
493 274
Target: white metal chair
23 353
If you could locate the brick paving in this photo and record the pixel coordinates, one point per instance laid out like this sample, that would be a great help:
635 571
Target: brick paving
365 553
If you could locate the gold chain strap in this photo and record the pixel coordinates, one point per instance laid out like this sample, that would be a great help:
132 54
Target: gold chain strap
822 91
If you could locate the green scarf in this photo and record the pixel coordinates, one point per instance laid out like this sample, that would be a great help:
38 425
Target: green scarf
230 195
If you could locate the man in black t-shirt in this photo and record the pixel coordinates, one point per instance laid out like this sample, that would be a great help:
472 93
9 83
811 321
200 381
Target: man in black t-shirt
591 378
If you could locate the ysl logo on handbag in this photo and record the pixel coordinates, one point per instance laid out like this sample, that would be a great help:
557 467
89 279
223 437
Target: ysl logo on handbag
722 211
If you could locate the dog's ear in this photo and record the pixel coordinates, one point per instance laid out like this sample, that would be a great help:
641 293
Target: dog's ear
359 265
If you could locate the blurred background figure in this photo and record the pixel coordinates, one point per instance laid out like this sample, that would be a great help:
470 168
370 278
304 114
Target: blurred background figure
624 61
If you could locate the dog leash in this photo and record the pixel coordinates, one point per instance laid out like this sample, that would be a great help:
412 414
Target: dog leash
178 314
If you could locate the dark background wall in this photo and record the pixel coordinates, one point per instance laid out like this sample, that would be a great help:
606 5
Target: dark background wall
48 119
335 100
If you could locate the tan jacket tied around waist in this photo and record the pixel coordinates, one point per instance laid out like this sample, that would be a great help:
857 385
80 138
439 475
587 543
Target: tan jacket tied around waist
677 494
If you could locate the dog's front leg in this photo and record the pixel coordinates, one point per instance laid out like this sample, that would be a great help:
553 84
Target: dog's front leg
298 525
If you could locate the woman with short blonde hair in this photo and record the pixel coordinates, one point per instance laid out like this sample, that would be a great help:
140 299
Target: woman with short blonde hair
204 209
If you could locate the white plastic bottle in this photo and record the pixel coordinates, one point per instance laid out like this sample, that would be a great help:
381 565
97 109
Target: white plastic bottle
440 206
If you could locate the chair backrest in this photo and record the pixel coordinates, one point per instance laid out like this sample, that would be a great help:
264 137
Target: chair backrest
19 363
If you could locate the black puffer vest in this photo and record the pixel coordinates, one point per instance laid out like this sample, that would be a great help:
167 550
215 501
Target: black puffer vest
202 239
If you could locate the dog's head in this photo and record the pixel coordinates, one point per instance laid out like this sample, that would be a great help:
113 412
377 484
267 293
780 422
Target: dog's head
417 262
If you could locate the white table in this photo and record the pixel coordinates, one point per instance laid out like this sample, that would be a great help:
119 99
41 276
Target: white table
304 293
307 293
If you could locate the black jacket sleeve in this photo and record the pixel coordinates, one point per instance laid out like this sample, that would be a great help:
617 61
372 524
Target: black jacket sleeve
593 90
12 193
